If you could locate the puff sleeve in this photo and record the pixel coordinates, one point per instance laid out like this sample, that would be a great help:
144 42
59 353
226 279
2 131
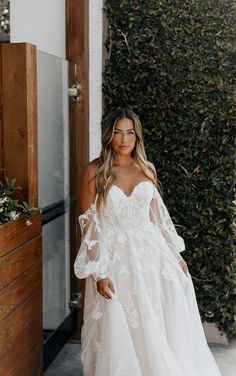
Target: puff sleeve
159 215
92 257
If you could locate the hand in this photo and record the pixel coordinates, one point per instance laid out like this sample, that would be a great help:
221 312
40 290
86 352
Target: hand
184 266
103 286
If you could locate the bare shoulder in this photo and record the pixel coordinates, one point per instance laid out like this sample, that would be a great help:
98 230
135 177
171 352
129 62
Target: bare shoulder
91 169
88 192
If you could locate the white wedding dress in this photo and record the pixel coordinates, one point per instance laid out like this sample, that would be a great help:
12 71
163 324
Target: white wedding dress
152 325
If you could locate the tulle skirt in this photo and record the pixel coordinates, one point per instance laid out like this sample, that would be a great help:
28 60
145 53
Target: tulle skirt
152 325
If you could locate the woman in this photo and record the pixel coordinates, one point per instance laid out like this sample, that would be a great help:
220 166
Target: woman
140 315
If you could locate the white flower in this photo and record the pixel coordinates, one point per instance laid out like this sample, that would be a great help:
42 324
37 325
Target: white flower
14 215
4 199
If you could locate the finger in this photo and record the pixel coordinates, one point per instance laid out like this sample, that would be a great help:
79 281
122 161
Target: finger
103 295
110 284
184 270
108 294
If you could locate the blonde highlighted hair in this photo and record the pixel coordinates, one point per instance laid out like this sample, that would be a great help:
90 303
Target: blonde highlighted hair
105 175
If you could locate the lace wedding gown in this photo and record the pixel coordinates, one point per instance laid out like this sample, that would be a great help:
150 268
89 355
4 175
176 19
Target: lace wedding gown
152 325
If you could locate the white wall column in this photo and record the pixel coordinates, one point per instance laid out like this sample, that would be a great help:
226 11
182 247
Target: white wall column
95 76
41 23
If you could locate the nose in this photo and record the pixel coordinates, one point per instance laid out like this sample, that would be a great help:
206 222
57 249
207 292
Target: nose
124 137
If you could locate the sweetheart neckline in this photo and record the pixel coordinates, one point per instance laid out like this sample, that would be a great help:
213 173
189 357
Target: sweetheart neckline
135 187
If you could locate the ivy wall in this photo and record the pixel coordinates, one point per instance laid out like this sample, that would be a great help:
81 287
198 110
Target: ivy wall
173 63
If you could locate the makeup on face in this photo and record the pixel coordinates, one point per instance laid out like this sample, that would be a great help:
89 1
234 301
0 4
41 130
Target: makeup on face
124 136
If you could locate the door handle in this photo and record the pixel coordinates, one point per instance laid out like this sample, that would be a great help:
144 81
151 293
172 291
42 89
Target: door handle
77 301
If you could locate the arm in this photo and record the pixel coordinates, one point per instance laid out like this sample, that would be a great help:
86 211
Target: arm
87 191
92 257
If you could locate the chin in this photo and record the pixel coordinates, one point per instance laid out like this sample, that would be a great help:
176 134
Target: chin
124 151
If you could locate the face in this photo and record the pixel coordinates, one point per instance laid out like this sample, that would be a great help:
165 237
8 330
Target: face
124 137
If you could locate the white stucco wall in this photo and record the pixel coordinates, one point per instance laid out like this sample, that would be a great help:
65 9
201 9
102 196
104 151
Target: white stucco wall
40 22
95 75
43 24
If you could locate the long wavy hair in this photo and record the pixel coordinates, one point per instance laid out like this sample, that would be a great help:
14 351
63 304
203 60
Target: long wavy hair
105 175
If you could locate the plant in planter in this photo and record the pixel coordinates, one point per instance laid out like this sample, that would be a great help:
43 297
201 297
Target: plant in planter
11 205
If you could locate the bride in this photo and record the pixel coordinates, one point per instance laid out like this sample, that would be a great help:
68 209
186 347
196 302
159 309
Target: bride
140 312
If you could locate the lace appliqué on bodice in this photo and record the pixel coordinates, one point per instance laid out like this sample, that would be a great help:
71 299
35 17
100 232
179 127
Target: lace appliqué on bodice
122 218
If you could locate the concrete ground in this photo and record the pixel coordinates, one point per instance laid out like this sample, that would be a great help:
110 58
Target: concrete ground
68 363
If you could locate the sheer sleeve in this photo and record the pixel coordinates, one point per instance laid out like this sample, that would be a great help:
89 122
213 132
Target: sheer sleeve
92 257
160 217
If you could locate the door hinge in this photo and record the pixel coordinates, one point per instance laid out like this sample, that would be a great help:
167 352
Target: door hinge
75 92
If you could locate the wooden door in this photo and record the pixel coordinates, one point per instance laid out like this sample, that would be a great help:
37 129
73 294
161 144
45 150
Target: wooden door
77 51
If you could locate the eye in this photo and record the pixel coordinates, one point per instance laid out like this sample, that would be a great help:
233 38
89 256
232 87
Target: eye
131 132
116 132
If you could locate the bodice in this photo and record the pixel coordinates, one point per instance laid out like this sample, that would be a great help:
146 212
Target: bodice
127 213
122 222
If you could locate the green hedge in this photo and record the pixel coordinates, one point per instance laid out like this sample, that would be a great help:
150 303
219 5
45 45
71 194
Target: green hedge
172 62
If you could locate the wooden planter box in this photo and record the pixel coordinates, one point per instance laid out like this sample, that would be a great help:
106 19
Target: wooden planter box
21 333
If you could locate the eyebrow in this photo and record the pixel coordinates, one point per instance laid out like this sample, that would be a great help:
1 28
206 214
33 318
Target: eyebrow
116 129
